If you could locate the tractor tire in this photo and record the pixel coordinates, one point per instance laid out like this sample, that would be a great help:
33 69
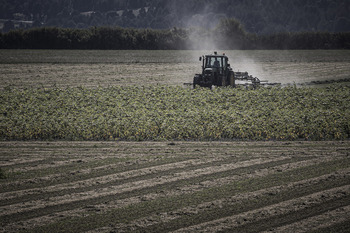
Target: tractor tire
232 80
196 80
223 82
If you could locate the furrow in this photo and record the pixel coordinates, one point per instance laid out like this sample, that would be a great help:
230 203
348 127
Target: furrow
127 187
20 161
84 169
165 217
178 191
57 176
317 222
281 208
55 163
106 179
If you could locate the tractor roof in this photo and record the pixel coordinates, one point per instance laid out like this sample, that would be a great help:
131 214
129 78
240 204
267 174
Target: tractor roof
216 55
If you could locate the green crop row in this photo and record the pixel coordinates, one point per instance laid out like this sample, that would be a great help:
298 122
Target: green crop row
175 113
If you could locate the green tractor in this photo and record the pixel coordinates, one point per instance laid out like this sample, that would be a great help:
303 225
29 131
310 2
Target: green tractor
216 71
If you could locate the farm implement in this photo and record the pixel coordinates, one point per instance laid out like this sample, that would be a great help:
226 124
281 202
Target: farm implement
216 71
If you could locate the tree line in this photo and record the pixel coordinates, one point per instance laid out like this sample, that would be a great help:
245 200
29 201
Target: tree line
228 34
93 38
260 17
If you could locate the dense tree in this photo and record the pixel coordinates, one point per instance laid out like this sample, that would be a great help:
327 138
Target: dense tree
229 34
261 17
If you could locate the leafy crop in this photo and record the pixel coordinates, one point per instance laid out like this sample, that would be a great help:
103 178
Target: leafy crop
172 112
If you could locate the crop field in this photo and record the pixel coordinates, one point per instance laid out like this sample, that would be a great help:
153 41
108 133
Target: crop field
111 141
175 186
175 113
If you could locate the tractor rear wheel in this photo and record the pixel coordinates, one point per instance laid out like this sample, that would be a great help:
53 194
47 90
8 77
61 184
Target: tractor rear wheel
196 80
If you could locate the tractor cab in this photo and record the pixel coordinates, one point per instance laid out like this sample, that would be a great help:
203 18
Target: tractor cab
215 71
216 63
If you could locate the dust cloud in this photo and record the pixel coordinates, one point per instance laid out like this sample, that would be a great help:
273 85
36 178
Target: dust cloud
204 38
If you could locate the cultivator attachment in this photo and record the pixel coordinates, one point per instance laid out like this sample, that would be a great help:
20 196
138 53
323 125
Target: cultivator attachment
242 78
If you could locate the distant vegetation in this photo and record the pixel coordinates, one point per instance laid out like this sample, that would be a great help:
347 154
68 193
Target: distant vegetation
260 17
94 38
181 24
228 34
167 113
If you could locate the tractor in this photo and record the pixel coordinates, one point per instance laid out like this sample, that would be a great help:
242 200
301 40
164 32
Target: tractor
216 71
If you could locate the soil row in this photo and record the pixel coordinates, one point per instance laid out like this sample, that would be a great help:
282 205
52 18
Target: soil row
181 186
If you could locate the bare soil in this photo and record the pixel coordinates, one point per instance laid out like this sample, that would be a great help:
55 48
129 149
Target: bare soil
175 187
91 68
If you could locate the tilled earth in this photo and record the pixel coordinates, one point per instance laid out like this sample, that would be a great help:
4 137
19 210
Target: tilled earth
175 186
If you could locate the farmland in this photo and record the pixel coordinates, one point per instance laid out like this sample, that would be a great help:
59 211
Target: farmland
175 113
66 68
62 95
175 186
110 141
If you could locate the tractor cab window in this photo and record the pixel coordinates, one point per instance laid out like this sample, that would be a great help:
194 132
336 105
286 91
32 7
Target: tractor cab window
217 62
214 62
225 62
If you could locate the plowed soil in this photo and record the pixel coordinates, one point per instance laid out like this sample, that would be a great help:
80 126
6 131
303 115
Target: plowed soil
175 186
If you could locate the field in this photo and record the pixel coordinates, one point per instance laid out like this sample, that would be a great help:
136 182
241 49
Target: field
24 68
175 113
222 160
175 186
